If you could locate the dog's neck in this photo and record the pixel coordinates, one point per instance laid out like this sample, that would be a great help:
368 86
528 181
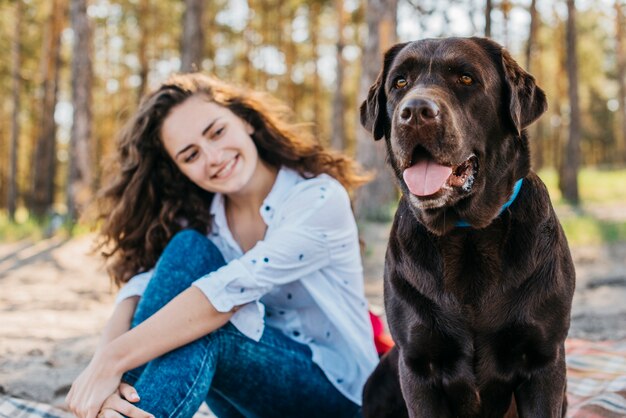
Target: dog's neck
518 185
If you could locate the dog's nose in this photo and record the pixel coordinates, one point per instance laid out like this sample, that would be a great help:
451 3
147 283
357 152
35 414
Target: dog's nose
419 111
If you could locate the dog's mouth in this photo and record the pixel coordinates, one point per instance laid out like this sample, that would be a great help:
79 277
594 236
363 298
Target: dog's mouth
426 177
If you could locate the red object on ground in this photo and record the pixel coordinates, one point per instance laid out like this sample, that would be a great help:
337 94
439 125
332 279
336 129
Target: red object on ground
382 340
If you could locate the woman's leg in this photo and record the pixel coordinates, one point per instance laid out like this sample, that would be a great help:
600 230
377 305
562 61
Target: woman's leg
188 256
275 377
271 378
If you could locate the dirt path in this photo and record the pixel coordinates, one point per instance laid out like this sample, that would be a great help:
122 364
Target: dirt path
54 299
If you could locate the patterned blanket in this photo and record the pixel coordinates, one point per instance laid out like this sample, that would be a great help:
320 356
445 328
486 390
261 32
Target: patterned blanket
596 385
596 379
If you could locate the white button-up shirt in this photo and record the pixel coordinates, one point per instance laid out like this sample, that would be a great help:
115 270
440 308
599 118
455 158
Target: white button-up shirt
305 277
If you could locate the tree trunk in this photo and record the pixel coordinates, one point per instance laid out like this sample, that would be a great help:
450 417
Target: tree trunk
144 20
15 122
291 57
621 79
338 130
538 130
532 35
572 147
193 37
80 170
44 167
488 8
375 198
315 28
505 8
248 36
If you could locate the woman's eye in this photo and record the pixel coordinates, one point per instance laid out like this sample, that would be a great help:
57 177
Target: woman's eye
218 132
400 83
466 80
192 156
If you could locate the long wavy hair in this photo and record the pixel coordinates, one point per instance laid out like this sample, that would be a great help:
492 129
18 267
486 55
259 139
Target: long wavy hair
148 199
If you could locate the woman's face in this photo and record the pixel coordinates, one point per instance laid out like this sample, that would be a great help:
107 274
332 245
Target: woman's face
210 145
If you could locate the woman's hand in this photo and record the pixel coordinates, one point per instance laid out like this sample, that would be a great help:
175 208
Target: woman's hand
120 403
93 386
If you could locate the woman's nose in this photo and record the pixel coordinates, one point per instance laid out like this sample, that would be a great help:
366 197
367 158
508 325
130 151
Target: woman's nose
214 155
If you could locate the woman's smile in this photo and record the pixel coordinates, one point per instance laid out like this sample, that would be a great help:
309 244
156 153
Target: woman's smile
227 169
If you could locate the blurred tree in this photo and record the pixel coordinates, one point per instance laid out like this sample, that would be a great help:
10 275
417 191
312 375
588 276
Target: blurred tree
538 130
15 118
145 29
291 53
488 9
569 173
80 172
314 22
44 167
532 34
374 199
192 42
338 129
505 7
620 52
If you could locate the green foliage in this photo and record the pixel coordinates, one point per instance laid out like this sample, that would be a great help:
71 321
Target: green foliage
588 230
602 216
15 231
25 227
597 186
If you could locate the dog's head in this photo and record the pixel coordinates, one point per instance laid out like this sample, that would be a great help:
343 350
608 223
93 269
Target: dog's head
453 113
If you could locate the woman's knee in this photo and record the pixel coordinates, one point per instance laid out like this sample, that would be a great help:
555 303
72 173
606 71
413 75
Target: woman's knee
190 250
188 256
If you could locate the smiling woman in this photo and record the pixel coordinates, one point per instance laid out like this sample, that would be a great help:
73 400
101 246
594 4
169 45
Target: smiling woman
213 148
256 304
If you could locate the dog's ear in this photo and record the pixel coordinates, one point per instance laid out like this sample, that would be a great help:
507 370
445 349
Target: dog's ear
374 116
527 100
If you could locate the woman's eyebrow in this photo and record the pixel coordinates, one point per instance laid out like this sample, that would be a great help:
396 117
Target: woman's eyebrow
183 150
209 126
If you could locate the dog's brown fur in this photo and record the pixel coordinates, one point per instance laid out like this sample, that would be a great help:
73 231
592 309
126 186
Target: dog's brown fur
479 314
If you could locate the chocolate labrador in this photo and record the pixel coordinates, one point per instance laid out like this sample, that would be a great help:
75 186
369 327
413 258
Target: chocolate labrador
478 275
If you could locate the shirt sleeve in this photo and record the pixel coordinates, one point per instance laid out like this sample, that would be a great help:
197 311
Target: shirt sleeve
136 286
299 243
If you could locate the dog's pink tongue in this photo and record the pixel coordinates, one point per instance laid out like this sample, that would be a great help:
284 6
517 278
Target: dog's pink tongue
426 177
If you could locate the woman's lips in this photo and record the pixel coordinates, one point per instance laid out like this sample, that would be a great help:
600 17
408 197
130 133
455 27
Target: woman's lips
227 170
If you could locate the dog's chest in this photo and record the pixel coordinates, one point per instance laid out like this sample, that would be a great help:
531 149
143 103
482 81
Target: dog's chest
473 270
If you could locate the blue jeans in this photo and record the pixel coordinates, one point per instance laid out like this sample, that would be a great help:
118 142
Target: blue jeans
235 375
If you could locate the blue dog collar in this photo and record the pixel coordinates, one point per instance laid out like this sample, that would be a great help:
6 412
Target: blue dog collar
516 189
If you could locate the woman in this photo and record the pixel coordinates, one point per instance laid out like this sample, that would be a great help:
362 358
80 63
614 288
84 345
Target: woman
256 304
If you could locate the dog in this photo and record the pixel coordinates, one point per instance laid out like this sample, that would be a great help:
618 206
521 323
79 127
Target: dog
478 279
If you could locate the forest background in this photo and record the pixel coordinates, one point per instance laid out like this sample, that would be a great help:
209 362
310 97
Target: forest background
74 70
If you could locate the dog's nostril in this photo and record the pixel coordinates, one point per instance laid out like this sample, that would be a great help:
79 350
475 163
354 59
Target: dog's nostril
429 110
405 113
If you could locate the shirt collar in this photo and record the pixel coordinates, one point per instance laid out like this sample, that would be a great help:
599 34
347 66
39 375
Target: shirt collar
285 180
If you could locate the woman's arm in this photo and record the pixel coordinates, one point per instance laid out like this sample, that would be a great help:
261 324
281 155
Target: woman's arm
186 318
189 316
120 320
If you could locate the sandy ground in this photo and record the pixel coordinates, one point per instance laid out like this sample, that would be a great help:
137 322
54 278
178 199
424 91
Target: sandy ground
55 298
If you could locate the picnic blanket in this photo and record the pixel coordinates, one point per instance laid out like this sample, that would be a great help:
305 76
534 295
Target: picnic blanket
596 385
596 379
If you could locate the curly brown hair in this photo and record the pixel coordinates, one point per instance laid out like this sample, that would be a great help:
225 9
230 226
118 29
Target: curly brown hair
149 199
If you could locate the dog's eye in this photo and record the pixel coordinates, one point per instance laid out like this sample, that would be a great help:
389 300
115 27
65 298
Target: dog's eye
400 83
466 80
